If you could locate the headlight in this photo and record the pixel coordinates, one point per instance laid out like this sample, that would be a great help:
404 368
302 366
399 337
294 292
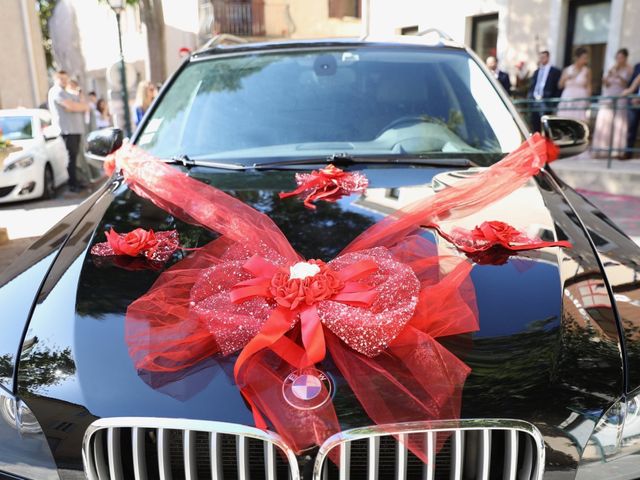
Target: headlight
22 163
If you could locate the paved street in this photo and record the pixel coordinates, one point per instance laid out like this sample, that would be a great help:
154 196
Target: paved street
26 221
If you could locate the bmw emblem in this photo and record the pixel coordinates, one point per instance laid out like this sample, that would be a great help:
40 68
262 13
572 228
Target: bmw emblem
307 389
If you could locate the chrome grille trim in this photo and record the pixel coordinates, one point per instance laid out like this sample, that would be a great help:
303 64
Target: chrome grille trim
270 461
138 452
189 453
480 461
511 456
242 448
164 464
429 468
113 449
108 430
372 458
345 457
484 457
401 457
458 454
215 455
101 463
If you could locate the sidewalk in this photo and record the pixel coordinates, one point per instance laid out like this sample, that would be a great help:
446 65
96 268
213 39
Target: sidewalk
587 173
615 190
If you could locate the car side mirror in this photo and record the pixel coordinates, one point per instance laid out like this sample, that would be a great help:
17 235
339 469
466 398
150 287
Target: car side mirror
101 143
570 136
51 132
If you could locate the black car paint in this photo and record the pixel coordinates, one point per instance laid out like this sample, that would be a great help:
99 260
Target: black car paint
529 348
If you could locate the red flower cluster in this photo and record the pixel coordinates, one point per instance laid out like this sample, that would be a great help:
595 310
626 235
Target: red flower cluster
496 232
134 243
490 236
155 247
291 292
329 184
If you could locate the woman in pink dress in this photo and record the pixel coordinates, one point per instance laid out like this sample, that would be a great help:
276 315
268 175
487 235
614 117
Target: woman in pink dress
611 126
576 83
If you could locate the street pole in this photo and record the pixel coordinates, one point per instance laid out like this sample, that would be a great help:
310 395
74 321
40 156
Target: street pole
123 81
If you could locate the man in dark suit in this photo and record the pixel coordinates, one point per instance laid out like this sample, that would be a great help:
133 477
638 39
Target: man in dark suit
544 84
502 77
634 113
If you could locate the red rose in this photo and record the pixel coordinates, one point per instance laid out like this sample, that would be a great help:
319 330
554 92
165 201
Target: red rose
133 243
287 292
291 292
496 232
321 287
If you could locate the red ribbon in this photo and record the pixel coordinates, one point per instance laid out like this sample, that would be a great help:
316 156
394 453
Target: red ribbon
491 234
328 184
282 319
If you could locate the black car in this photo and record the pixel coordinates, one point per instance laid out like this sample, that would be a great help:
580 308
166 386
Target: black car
554 368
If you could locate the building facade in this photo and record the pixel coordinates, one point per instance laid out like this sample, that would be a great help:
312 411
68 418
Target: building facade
516 30
23 70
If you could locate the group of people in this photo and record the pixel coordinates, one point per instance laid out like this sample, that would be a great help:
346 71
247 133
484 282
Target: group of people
77 115
616 125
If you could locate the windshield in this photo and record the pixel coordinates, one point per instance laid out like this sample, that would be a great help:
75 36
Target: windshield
16 128
369 101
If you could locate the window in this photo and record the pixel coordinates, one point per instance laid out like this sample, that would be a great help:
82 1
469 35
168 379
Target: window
412 30
16 128
392 193
344 8
484 35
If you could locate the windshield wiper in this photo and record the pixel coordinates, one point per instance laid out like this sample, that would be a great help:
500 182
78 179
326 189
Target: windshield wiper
344 159
188 162
338 159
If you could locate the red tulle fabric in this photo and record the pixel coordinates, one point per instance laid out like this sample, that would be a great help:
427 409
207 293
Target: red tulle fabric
329 184
494 234
394 296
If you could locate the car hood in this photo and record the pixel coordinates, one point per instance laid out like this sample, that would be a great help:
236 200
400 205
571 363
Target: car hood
77 331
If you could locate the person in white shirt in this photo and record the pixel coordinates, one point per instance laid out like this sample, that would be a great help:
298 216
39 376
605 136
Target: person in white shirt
544 85
67 110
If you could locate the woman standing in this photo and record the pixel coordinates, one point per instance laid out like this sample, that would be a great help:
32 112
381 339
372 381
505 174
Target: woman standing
611 124
103 117
147 91
576 83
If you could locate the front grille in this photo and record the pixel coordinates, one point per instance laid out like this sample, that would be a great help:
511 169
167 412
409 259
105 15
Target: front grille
4 191
176 449
462 450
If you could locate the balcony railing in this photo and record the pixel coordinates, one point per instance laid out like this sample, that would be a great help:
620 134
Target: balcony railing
612 128
239 18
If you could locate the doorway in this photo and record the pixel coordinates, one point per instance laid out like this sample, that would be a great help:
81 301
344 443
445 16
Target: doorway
588 26
484 35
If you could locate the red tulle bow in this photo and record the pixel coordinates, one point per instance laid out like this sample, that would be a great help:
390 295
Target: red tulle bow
329 184
153 246
376 309
492 234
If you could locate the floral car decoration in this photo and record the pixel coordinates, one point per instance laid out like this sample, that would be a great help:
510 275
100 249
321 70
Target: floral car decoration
377 308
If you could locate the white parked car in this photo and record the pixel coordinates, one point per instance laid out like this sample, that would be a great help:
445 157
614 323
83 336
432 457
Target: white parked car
41 166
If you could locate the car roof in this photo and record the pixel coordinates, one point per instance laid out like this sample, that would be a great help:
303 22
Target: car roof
429 38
